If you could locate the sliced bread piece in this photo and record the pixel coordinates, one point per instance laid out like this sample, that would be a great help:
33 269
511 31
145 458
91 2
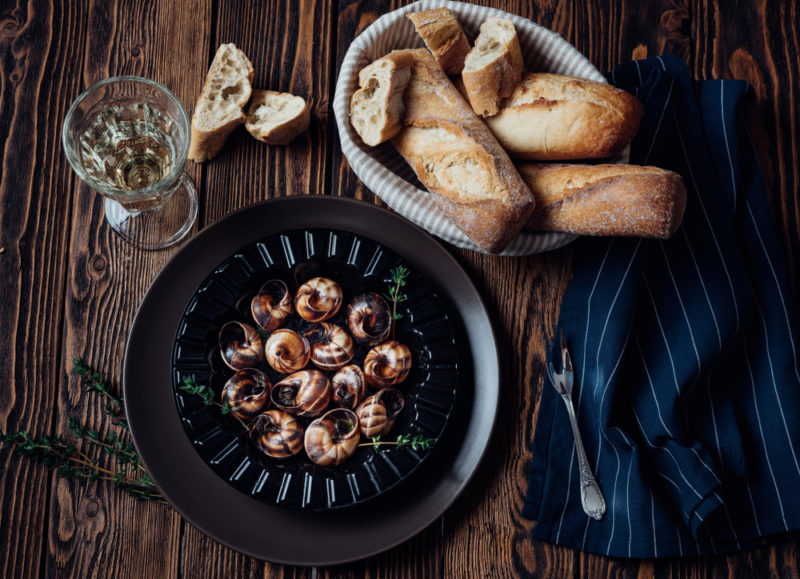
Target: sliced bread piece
443 36
277 117
493 68
376 109
219 108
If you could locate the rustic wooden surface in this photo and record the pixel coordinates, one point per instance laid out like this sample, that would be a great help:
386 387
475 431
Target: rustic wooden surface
69 288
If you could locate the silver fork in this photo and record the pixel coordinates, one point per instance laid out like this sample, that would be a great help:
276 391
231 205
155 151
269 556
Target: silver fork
594 504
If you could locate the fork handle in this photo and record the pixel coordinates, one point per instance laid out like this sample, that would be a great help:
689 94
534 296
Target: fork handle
594 504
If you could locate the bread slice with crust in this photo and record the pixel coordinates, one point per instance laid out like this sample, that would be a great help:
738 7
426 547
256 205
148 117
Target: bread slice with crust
276 118
219 109
444 37
493 68
376 109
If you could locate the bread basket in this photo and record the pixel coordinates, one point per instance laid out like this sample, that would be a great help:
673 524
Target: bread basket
384 171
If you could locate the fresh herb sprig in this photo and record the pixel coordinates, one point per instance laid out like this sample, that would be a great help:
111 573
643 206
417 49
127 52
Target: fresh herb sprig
69 460
417 442
190 386
395 295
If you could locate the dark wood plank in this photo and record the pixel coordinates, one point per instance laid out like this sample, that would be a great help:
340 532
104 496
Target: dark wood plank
289 44
96 529
41 47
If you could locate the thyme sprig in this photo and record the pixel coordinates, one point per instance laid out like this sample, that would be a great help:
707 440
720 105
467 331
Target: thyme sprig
417 442
395 295
70 460
190 386
93 382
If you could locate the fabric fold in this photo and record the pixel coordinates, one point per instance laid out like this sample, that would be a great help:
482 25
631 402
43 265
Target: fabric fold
684 351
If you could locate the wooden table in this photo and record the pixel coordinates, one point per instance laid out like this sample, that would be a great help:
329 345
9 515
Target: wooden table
69 288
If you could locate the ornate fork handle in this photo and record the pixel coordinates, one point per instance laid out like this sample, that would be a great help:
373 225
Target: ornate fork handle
594 504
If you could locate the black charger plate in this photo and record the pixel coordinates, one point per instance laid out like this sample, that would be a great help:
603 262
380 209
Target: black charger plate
243 522
359 265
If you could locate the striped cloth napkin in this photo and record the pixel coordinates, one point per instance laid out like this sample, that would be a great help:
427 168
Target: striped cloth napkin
685 352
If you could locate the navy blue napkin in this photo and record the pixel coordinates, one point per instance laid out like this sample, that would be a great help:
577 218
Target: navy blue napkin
685 352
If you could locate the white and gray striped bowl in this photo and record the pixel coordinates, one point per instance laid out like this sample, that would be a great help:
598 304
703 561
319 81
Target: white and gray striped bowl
383 170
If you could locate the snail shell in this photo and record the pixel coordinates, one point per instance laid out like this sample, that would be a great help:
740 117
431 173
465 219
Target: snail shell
272 305
305 393
376 415
349 387
240 345
247 393
318 299
287 351
331 346
387 364
332 438
277 434
369 319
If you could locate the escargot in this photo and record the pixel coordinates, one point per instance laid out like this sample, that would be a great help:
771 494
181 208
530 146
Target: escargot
369 319
331 346
272 305
387 364
318 299
304 393
277 434
332 438
246 392
349 386
240 345
287 351
377 413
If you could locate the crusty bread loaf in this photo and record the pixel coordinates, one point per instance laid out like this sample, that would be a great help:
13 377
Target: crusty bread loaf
277 117
456 157
443 36
493 68
605 200
551 117
219 108
376 108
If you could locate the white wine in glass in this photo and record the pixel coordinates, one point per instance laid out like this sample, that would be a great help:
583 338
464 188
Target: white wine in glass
128 138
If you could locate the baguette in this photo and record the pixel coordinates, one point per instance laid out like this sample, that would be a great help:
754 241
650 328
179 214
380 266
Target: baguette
376 108
456 157
551 117
276 118
605 200
444 37
493 68
219 108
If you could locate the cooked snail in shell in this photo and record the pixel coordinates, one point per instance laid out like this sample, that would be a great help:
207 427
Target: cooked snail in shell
331 346
376 415
240 345
318 299
305 393
387 364
369 319
332 438
272 305
277 434
246 393
349 387
287 351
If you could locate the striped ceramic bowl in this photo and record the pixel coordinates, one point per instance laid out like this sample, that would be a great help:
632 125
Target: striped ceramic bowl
383 170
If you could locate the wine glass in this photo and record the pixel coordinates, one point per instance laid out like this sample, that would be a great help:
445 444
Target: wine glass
127 138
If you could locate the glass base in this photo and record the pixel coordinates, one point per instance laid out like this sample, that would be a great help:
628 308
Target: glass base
161 226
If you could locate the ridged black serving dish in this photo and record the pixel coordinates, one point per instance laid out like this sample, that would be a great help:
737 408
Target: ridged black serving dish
359 265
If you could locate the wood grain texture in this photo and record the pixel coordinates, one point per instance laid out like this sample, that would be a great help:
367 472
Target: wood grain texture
96 530
41 48
69 288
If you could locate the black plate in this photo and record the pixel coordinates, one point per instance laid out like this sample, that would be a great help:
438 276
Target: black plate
241 521
359 265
